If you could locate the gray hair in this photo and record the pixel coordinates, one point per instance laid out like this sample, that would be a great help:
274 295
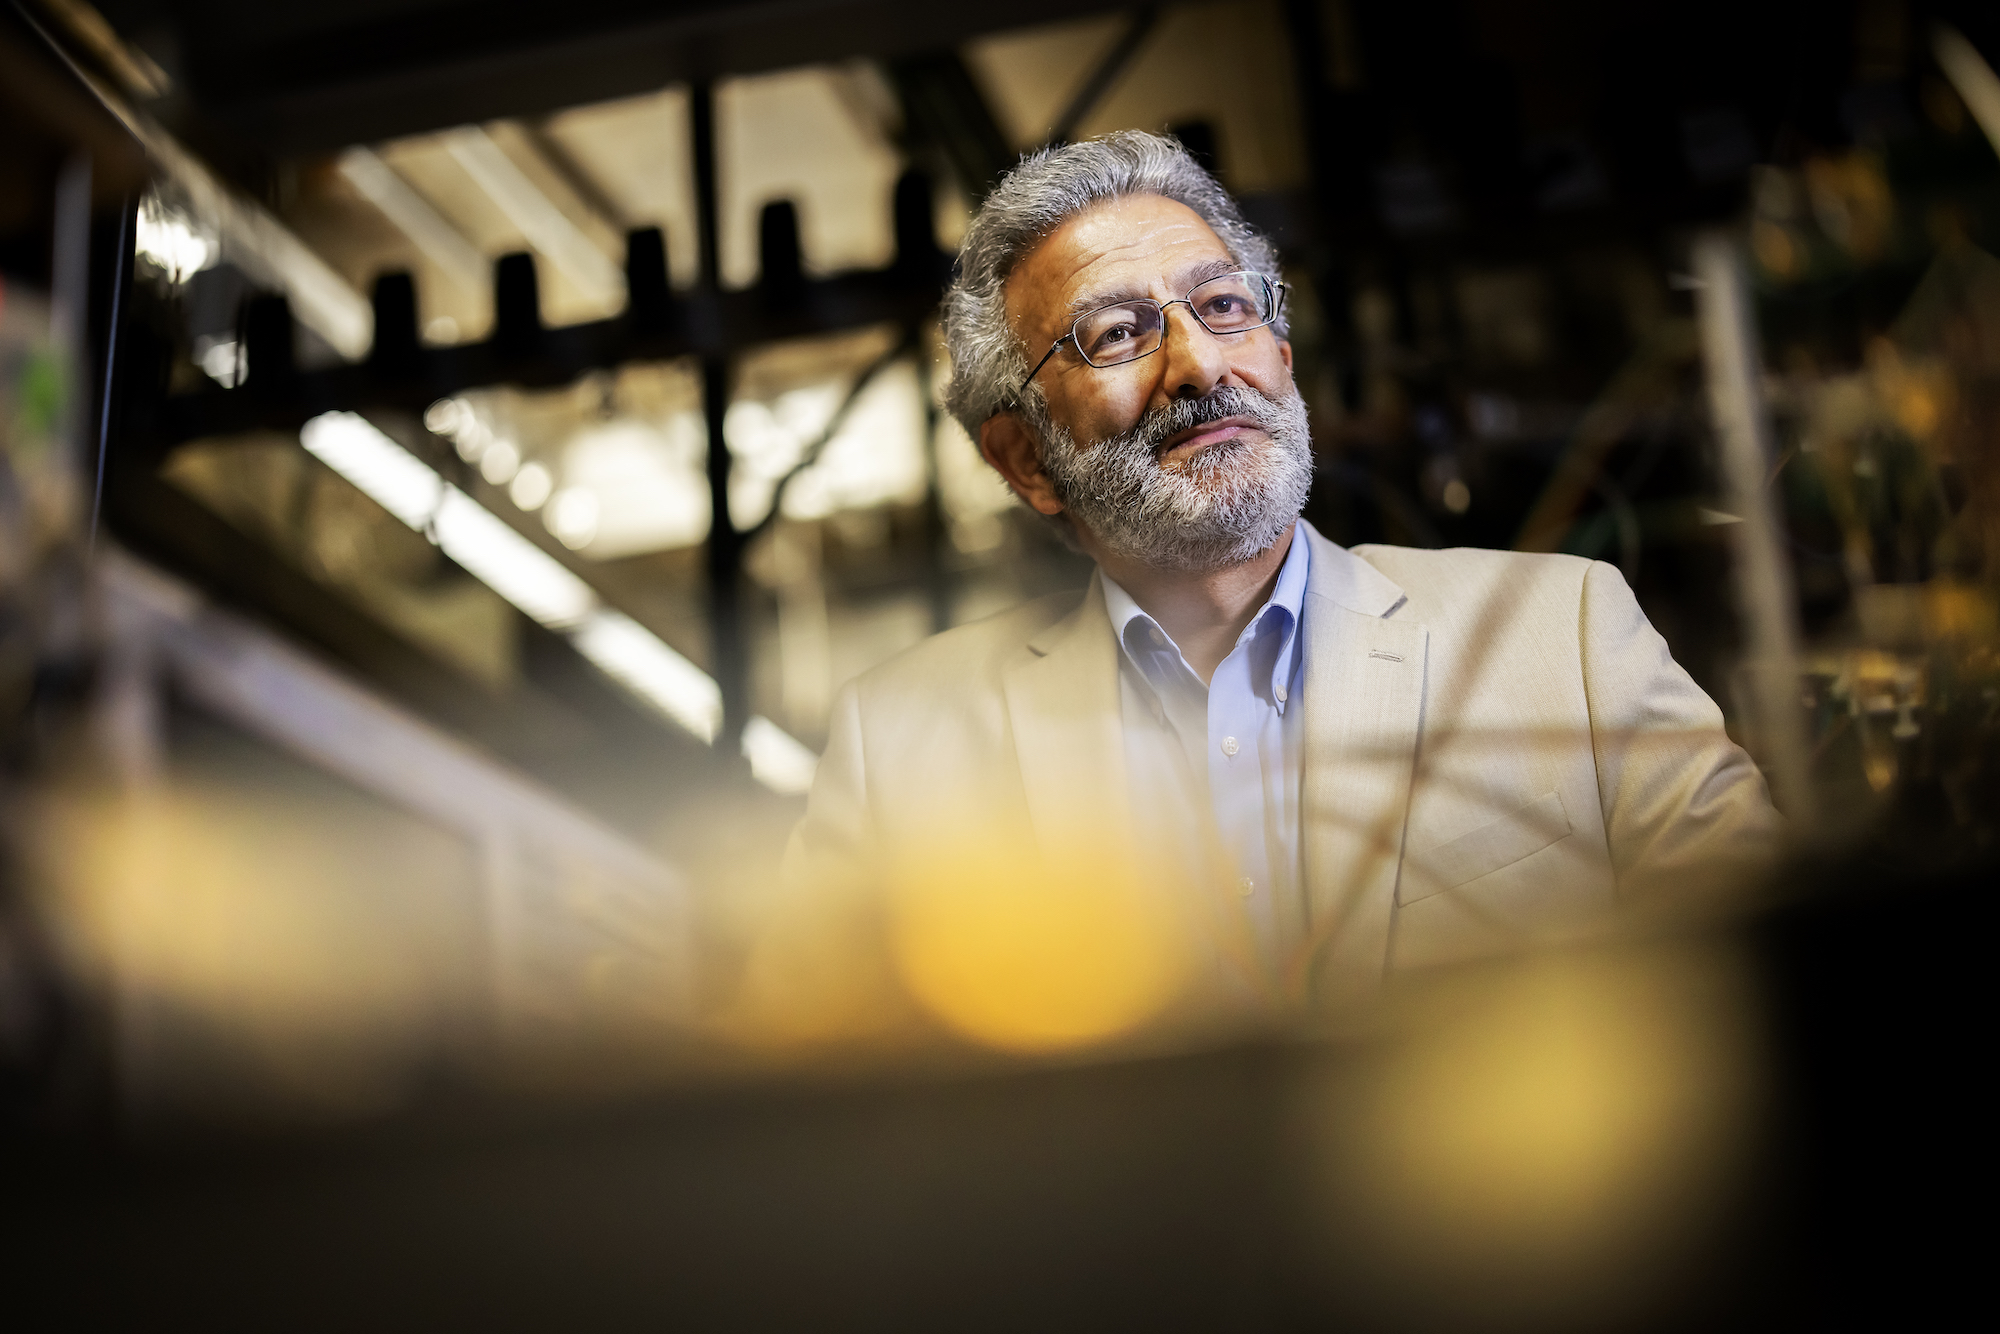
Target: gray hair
1038 196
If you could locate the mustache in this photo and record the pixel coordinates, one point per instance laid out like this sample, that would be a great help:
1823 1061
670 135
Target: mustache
1161 424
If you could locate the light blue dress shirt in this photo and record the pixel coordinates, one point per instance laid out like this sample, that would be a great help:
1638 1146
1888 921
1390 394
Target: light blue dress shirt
1215 768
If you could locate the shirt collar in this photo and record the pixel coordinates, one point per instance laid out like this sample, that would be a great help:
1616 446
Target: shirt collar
1287 600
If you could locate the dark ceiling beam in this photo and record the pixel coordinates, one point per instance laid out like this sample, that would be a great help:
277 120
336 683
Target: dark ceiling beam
45 116
589 191
315 78
1100 79
946 118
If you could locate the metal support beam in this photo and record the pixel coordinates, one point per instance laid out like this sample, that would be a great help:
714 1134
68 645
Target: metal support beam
1099 81
1303 19
944 111
937 579
547 228
252 237
69 303
397 200
559 160
1971 76
1765 596
725 544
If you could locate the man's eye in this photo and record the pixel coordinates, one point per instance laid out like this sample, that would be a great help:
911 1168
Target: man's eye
1228 308
1113 336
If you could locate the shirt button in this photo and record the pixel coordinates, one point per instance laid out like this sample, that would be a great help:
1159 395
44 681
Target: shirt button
1229 745
1282 694
1157 636
1246 886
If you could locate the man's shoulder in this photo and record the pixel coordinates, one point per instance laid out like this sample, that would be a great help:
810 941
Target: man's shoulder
968 655
1438 580
1469 563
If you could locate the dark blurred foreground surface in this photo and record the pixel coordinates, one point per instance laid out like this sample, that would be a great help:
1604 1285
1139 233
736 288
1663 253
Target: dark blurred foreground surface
308 811
1819 1163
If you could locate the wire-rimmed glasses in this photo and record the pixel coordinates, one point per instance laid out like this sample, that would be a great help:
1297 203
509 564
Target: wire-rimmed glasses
1231 303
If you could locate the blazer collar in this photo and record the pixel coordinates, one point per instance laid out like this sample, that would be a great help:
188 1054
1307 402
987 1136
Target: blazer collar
1364 700
1341 577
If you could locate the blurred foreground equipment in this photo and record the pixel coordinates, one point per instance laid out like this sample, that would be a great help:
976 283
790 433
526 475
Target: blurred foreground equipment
319 1006
1717 1130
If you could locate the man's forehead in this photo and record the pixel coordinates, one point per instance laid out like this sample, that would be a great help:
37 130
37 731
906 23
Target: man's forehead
1120 243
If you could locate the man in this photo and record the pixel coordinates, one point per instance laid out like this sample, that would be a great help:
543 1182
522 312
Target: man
1352 760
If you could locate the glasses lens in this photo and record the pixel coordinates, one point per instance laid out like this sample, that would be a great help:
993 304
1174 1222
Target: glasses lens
1234 302
1111 334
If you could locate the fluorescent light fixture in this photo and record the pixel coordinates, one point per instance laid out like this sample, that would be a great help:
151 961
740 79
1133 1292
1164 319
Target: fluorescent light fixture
777 759
222 359
511 565
547 590
634 656
499 461
572 517
387 473
531 488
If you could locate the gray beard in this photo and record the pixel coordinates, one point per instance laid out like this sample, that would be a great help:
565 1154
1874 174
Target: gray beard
1222 507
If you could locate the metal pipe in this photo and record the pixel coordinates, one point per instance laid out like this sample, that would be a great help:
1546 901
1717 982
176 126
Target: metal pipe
121 277
69 302
725 543
1765 595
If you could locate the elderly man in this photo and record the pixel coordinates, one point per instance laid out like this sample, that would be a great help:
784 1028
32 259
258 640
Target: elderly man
1350 760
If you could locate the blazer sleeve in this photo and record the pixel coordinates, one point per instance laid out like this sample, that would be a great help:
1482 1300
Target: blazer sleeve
1685 808
816 968
833 846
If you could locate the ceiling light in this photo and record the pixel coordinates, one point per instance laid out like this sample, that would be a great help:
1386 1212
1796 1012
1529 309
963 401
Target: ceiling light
633 655
493 552
777 759
572 517
498 463
387 473
510 564
531 487
167 239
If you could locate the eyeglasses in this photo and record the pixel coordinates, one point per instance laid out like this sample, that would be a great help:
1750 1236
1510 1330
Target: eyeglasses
1128 330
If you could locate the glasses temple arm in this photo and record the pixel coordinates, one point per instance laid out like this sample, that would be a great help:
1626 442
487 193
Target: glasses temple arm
1038 366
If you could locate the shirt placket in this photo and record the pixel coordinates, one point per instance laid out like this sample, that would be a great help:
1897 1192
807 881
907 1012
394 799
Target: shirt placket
1236 766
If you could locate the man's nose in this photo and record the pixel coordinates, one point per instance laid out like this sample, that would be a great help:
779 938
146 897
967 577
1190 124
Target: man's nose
1195 361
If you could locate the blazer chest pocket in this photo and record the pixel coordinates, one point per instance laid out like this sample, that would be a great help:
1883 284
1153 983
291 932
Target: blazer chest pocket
1488 848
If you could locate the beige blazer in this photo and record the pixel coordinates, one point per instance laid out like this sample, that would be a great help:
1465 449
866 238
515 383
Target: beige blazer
1497 748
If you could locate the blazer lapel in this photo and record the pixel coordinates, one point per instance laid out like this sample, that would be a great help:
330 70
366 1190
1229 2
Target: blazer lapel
1069 738
1364 696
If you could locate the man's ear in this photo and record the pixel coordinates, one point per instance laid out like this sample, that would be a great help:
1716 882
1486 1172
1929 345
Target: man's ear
1006 442
1285 351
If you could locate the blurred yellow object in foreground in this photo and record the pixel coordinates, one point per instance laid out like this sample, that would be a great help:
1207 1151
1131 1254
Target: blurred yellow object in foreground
287 946
1022 959
1544 1138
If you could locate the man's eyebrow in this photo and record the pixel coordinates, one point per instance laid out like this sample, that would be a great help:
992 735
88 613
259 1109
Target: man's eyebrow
1088 301
1189 279
1202 272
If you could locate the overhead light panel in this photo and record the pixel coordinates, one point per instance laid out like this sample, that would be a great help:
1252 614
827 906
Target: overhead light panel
493 552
